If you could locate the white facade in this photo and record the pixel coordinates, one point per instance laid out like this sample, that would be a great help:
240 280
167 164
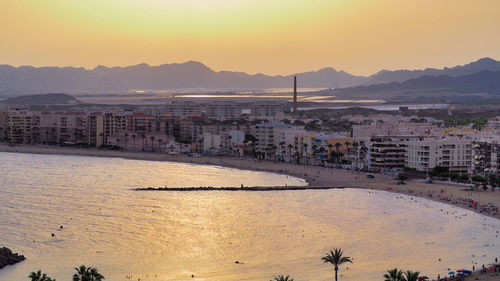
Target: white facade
211 142
455 154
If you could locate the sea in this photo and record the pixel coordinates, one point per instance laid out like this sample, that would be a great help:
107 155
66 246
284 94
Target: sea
65 211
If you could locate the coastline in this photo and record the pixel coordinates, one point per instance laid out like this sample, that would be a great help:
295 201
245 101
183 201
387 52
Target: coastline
315 176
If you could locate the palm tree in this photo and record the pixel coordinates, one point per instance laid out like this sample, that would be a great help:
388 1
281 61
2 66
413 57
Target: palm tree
364 149
245 141
282 278
347 143
305 145
410 275
133 140
143 136
330 147
297 157
313 148
336 258
159 144
152 143
337 147
39 276
290 146
355 145
200 145
394 275
282 146
84 273
321 152
126 141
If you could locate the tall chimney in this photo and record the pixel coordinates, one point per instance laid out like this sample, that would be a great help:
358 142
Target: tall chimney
294 94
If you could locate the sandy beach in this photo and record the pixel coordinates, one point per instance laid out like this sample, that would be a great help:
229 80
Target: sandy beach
314 175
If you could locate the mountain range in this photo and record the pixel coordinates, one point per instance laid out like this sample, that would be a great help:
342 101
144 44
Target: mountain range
15 81
480 82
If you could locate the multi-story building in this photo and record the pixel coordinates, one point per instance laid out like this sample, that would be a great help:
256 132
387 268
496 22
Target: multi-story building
453 154
222 110
19 126
486 157
270 135
388 152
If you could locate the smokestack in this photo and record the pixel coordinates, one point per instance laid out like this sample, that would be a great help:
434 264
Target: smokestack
294 94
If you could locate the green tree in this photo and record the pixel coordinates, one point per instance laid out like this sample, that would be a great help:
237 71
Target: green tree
336 258
290 146
337 147
410 275
143 136
330 147
159 144
84 273
282 278
39 276
152 143
126 141
394 275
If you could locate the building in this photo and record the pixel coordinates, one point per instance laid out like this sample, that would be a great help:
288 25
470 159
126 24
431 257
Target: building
453 154
486 157
269 136
389 152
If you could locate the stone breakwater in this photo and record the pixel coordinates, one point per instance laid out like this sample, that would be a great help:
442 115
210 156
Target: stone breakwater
9 258
243 188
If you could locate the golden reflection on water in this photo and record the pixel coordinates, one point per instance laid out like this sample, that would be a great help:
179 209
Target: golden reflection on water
174 235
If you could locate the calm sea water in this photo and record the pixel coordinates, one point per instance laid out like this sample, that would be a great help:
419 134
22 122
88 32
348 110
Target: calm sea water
173 235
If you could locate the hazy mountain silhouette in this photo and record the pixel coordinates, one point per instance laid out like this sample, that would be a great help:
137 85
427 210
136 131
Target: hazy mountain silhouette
26 80
385 76
15 81
481 82
55 98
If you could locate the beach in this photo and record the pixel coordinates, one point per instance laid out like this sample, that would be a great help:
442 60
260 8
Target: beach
316 176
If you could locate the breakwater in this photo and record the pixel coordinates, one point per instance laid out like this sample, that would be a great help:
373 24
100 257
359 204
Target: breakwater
243 188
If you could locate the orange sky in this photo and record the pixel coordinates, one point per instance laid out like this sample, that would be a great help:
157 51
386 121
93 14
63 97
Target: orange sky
273 37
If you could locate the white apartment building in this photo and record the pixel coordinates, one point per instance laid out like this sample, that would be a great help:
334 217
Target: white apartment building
452 153
277 135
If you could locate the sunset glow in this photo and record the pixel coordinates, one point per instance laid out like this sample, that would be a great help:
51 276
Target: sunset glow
273 37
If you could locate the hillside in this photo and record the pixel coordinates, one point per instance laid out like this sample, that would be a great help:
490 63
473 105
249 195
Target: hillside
481 82
60 99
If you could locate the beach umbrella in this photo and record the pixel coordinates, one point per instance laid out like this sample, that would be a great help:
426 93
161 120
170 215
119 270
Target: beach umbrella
460 270
451 273
467 271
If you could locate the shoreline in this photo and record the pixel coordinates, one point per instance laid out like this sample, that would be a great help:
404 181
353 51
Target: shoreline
315 176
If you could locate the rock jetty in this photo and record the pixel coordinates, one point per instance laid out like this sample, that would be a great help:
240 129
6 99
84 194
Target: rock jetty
9 258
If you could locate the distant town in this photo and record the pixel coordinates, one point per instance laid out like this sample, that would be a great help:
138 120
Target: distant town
355 138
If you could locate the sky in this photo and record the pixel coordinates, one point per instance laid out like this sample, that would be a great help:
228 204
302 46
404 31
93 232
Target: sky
254 36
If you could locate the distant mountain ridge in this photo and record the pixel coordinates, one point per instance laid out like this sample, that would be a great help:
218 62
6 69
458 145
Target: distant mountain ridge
385 76
481 82
15 81
43 99
28 80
